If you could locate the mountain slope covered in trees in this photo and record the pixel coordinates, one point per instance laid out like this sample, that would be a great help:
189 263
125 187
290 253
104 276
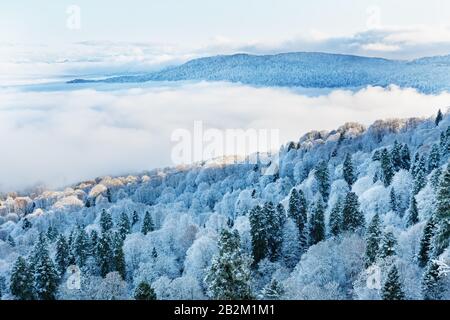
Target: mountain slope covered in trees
355 213
308 70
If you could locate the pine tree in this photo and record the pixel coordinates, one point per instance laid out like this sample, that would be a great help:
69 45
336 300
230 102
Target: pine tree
435 179
119 256
134 218
81 247
426 243
392 289
387 168
26 224
144 292
45 275
420 176
124 225
276 220
439 117
323 180
373 239
291 247
442 237
105 255
228 277
396 156
93 242
106 222
147 224
434 159
406 158
52 233
258 224
317 227
352 217
62 255
393 201
388 245
21 281
413 212
335 222
432 286
348 171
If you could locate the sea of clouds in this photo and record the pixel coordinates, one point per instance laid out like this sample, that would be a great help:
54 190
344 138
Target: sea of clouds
61 137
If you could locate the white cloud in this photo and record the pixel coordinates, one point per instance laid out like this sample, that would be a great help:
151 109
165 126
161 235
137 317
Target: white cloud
65 136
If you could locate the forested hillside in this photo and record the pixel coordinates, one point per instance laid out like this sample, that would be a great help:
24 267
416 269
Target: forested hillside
355 213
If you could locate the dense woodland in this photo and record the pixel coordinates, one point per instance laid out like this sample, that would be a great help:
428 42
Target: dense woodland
355 213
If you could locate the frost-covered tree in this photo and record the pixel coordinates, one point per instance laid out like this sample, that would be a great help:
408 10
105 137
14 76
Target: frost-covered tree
52 233
388 245
432 284
45 275
228 277
106 222
317 225
335 221
21 282
144 292
426 243
434 158
323 179
62 255
274 290
413 212
291 249
275 222
348 170
134 218
406 158
26 224
442 236
118 255
105 257
352 217
392 288
373 240
393 200
147 224
124 225
258 223
396 156
81 247
420 176
387 169
439 117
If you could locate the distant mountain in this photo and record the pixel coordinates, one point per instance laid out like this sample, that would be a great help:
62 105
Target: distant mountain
309 70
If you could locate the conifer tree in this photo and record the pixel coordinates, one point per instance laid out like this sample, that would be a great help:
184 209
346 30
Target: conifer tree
10 240
406 158
62 255
387 168
134 218
392 289
147 224
434 158
144 292
388 245
274 290
26 224
275 225
442 236
228 277
292 249
258 223
297 211
352 217
105 255
335 222
124 225
420 176
52 233
439 117
44 272
413 212
373 239
106 222
432 286
348 171
81 247
119 256
396 156
323 180
424 254
21 281
393 201
317 227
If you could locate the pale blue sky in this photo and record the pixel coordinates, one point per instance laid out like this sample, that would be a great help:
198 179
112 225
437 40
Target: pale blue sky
199 21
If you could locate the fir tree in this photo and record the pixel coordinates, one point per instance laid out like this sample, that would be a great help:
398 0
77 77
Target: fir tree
352 217
134 218
388 245
258 224
292 249
144 292
105 255
45 275
124 225
442 237
147 224
434 158
317 232
387 168
406 158
426 243
393 201
396 156
21 281
62 255
323 180
106 222
272 291
392 289
228 277
275 223
432 286
93 240
335 222
439 117
348 171
415 163
413 212
81 247
119 256
26 224
420 176
52 233
373 239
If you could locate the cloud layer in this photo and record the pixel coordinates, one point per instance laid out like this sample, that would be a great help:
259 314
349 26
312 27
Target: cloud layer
61 137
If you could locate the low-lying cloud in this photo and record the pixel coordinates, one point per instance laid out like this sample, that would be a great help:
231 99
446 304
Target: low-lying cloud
62 137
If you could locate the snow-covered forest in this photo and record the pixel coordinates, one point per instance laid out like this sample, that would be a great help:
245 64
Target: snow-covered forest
355 213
